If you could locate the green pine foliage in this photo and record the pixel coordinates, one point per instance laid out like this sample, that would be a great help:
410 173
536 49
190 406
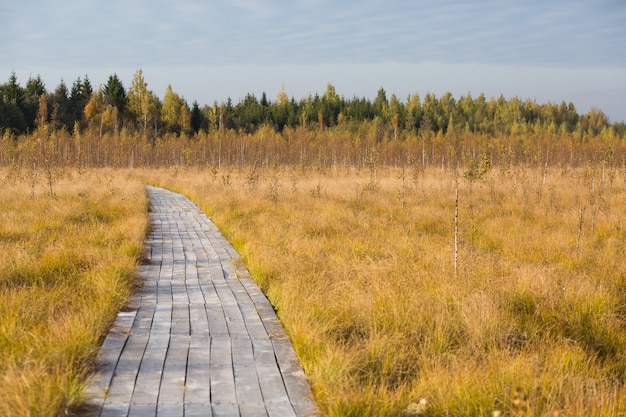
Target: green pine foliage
148 114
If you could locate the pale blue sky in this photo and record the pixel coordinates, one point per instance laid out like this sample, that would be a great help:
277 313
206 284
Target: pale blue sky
549 50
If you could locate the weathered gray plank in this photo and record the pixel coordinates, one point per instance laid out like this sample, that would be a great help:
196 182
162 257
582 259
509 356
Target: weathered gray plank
180 319
122 383
198 322
115 410
294 378
106 362
250 315
170 409
223 409
151 369
172 390
198 384
198 410
142 410
246 379
222 375
217 321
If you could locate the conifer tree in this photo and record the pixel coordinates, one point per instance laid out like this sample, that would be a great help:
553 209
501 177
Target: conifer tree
380 103
196 117
115 93
60 102
13 91
11 100
79 97
32 94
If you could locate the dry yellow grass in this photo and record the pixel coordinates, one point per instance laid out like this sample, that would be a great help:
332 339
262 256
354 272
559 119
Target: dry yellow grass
533 323
67 265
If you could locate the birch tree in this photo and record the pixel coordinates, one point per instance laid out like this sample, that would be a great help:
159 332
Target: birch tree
171 110
142 106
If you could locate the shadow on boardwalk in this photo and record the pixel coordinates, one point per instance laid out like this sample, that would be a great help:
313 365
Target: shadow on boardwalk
200 338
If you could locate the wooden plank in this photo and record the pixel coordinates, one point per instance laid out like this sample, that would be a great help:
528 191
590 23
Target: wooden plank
151 369
216 271
162 320
270 379
198 322
198 383
124 375
148 295
172 390
253 410
195 292
246 380
224 409
170 410
274 392
217 322
178 269
144 318
180 319
234 318
298 388
222 375
252 320
179 291
106 362
142 410
229 269
264 308
209 292
164 291
198 410
192 284
115 410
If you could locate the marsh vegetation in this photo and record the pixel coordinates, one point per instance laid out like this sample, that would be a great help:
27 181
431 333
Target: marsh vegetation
415 271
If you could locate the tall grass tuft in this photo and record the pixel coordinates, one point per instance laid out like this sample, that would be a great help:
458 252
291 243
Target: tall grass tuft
68 266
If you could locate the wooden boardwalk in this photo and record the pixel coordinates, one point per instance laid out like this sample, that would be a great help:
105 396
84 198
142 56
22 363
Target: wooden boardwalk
200 338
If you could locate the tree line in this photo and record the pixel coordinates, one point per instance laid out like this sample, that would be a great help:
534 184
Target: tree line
112 107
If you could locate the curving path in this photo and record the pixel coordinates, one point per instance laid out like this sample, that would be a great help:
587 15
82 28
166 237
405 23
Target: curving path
199 338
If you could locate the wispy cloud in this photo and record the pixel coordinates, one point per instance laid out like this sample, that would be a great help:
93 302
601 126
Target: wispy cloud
553 33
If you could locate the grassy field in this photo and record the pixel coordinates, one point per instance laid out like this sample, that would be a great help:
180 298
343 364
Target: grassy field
360 265
531 323
67 265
